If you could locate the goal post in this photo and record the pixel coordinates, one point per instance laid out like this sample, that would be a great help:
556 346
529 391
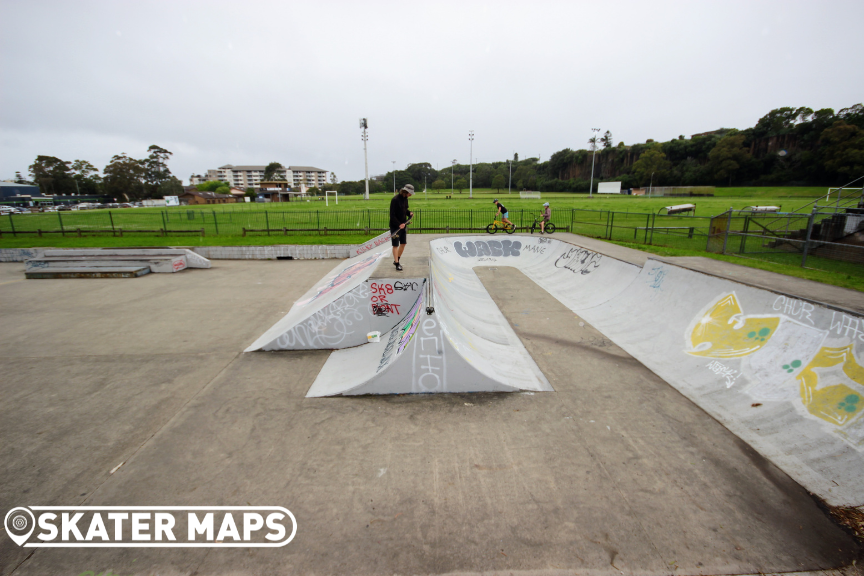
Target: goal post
327 196
533 195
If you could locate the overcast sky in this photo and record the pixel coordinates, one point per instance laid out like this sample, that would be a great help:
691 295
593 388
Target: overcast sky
255 82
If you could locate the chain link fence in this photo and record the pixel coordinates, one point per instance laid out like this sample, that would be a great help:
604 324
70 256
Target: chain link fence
832 241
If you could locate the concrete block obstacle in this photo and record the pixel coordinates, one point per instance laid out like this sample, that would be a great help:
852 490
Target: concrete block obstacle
85 272
111 263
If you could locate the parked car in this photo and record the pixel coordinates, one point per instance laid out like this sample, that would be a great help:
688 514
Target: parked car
63 207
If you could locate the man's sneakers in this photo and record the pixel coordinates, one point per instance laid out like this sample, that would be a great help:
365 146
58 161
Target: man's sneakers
398 266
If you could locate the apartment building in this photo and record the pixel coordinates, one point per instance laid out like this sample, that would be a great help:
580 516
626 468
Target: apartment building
251 176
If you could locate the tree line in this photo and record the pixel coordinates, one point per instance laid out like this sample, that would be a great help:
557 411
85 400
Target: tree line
786 147
123 178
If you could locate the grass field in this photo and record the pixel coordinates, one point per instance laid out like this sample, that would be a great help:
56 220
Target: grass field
789 198
629 225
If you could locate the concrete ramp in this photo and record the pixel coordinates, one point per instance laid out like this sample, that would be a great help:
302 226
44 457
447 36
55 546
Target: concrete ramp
423 355
785 375
343 307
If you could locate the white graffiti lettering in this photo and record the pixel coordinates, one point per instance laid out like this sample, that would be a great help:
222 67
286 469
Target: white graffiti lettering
794 308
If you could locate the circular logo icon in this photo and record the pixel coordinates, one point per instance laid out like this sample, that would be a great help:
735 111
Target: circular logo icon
19 523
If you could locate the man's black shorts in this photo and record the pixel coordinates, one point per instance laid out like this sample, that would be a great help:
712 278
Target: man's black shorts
399 237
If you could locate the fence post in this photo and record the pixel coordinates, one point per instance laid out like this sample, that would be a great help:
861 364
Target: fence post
647 222
110 217
611 224
807 237
572 212
653 224
60 218
744 236
267 220
728 226
164 222
215 224
12 224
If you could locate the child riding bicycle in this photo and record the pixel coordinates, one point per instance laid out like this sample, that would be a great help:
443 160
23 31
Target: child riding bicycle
547 215
503 212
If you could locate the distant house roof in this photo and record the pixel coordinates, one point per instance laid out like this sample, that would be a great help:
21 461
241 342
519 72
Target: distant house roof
305 169
206 195
9 189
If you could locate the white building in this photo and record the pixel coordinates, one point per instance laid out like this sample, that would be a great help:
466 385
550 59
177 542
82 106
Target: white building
251 176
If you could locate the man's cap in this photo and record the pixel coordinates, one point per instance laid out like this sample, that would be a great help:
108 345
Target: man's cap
495 200
409 188
545 203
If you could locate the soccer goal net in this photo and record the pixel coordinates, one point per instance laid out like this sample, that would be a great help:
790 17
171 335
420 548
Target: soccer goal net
327 194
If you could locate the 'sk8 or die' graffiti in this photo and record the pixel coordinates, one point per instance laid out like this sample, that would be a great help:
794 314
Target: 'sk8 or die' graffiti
488 248
785 359
579 260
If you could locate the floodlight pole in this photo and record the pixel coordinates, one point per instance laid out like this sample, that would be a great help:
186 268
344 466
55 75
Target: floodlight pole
394 176
594 148
651 185
452 166
510 182
471 166
364 125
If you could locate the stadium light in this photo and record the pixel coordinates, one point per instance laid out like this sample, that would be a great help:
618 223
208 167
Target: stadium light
471 166
394 176
593 147
510 182
364 125
453 165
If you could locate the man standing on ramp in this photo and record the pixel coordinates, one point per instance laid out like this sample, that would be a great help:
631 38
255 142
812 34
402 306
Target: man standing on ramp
399 215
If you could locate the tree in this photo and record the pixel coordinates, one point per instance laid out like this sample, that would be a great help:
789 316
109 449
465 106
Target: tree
270 172
20 179
124 176
652 161
498 182
844 149
250 192
438 185
515 157
86 177
460 184
52 175
727 156
170 187
211 186
155 168
333 179
607 139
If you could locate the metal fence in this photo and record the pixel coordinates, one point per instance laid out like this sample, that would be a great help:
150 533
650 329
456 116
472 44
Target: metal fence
825 240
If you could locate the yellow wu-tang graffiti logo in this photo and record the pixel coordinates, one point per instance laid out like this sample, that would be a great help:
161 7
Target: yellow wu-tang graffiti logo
725 332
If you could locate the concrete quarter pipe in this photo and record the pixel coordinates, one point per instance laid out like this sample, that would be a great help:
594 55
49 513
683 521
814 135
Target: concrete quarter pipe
783 374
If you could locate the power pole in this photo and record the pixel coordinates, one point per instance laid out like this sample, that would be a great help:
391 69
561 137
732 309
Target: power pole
364 125
593 147
471 166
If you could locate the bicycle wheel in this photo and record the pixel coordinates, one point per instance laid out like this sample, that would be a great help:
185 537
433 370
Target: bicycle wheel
509 228
533 227
491 228
549 228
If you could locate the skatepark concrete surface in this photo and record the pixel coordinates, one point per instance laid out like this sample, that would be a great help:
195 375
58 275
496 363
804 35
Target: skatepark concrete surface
137 393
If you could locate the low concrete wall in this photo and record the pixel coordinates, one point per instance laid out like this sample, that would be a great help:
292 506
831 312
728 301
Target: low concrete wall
299 252
20 254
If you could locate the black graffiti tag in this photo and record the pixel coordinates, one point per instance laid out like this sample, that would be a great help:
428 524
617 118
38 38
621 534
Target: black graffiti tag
490 248
579 260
